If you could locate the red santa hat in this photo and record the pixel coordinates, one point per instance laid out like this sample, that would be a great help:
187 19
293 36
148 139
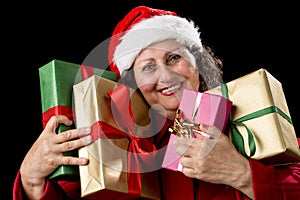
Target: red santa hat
144 26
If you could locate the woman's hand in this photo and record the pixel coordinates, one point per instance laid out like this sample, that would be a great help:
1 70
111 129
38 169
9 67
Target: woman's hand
215 160
46 154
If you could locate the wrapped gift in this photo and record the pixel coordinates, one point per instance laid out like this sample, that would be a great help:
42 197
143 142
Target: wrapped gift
121 158
261 125
195 108
56 85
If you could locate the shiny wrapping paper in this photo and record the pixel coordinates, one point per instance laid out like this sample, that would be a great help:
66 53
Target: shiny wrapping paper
197 108
261 126
56 85
119 158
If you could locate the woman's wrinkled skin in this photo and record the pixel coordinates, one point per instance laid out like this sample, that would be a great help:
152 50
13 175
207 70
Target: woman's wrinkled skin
162 71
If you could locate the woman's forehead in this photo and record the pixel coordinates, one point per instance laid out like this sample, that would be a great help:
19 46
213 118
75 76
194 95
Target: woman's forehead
162 50
166 45
163 47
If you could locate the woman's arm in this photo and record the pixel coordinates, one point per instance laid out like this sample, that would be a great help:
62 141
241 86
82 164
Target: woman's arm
46 154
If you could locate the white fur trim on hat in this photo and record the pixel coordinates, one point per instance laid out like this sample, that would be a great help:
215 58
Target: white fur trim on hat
152 30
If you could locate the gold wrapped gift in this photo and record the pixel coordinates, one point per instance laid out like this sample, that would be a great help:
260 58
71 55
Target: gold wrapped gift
120 161
261 125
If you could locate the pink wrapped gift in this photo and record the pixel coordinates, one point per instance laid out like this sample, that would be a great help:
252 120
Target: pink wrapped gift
195 108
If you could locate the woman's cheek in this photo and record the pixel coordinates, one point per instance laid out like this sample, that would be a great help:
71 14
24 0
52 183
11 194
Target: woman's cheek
147 88
145 80
193 77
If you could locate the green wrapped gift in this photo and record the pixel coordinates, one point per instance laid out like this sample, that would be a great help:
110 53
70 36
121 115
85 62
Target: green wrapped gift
56 85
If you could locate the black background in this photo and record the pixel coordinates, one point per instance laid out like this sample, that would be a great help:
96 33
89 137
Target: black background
245 36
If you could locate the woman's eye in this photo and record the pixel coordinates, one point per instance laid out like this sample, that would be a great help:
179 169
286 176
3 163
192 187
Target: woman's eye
173 58
149 67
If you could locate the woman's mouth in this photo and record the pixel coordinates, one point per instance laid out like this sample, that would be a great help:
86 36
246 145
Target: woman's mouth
171 90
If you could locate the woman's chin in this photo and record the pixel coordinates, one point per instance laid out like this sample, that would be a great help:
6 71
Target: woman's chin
171 111
166 110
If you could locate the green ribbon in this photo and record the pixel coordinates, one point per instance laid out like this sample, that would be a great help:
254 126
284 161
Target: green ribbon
236 136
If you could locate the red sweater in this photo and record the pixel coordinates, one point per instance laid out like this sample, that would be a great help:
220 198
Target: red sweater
268 183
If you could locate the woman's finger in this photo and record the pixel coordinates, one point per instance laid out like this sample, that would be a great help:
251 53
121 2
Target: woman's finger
72 134
54 121
72 144
182 145
68 160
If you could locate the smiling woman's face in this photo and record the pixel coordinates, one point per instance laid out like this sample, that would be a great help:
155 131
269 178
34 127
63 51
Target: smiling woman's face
162 71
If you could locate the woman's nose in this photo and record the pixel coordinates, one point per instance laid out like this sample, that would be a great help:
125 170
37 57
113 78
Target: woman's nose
167 74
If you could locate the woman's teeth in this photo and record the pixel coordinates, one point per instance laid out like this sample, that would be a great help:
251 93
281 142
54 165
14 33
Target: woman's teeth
170 89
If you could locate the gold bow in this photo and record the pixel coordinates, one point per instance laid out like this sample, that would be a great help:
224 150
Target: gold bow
185 128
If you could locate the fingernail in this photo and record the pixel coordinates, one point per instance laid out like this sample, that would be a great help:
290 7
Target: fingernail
85 130
86 140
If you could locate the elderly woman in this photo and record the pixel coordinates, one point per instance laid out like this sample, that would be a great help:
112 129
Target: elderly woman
161 54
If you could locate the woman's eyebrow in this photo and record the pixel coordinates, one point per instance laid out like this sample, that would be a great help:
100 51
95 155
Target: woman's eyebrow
166 53
144 60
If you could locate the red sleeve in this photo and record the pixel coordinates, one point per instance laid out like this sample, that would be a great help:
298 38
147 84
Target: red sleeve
17 188
271 182
62 190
